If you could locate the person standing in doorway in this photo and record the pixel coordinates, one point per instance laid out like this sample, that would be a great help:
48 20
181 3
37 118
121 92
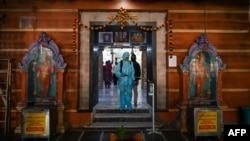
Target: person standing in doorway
125 74
115 79
107 74
137 75
110 74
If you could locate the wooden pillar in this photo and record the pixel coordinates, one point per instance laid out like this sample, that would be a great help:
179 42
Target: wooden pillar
59 85
61 103
219 96
184 100
219 87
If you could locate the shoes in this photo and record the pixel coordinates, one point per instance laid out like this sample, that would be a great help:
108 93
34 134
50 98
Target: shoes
130 111
126 111
121 111
135 104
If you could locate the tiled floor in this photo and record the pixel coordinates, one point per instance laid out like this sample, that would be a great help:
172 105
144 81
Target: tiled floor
110 97
103 135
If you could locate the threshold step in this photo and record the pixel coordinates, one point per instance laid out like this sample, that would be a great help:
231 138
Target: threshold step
125 124
122 115
118 111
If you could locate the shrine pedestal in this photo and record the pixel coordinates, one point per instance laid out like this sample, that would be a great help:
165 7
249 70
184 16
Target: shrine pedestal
38 122
42 71
200 79
206 121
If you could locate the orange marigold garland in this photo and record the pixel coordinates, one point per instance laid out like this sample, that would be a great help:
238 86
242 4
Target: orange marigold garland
170 38
122 16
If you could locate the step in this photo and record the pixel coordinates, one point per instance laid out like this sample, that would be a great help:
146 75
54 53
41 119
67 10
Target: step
121 117
107 113
113 125
109 116
116 110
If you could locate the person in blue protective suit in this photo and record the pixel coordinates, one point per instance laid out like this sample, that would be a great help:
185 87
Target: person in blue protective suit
125 74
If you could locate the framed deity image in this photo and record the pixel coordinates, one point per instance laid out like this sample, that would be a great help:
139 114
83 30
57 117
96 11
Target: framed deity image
42 72
105 37
137 37
121 36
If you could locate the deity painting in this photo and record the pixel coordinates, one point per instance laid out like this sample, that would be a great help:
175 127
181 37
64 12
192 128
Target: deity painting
105 37
42 62
44 74
202 75
121 37
202 65
137 37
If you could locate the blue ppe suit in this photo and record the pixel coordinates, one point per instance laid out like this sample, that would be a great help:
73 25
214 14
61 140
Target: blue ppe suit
125 75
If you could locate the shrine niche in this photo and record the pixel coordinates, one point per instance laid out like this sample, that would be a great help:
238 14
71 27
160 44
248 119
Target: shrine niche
202 69
42 63
201 78
42 71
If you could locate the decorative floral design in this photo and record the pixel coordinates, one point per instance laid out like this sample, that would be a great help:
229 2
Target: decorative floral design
122 16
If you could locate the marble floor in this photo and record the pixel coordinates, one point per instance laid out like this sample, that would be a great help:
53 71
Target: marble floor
110 96
103 135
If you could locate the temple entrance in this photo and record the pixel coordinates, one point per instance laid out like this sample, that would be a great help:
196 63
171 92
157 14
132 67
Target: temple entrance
110 44
106 113
111 95
96 33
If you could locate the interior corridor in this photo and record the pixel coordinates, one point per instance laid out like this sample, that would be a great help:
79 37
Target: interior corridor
110 96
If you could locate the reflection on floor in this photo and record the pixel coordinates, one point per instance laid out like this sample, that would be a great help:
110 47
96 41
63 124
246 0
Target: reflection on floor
110 96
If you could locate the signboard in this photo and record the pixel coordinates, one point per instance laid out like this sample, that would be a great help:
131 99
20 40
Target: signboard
207 121
172 61
35 123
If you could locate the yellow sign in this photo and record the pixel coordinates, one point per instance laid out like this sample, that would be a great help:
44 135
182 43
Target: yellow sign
35 123
207 121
